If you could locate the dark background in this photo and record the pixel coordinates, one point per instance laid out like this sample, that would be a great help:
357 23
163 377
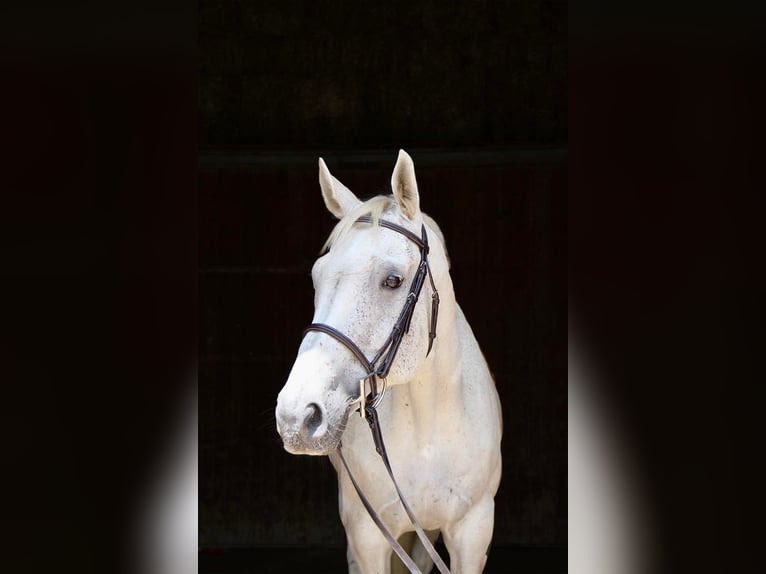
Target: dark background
476 94
99 224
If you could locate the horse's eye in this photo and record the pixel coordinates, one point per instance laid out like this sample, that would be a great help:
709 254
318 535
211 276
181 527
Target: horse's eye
393 281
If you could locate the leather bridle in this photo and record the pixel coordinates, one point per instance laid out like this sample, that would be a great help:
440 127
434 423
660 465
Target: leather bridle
380 364
379 367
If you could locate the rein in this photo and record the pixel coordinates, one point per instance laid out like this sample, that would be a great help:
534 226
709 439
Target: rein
379 367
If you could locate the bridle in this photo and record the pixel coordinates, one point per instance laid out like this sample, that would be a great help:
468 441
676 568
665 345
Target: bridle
378 368
380 364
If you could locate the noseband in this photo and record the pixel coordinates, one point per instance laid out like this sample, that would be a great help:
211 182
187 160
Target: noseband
380 364
378 367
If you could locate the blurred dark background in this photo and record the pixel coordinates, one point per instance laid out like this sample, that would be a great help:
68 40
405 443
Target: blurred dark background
99 224
477 95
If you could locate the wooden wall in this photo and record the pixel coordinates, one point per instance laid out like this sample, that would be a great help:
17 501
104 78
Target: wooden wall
364 73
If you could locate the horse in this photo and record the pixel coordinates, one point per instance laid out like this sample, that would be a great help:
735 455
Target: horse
441 414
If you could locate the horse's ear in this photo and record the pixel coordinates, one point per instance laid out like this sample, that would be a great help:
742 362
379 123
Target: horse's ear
337 197
405 187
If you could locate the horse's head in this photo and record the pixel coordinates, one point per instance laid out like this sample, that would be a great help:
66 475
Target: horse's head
361 284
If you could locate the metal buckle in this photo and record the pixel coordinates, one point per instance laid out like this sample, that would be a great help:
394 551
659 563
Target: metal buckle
362 398
381 394
363 401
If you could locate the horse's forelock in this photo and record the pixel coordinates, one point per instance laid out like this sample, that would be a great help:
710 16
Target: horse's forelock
374 207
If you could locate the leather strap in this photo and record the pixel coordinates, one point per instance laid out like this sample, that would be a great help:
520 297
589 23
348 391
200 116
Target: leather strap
351 346
372 419
400 552
340 337
394 227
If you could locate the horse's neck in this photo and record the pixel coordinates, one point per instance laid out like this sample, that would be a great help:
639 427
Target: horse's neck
438 385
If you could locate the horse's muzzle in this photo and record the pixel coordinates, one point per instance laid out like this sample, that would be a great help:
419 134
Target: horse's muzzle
308 430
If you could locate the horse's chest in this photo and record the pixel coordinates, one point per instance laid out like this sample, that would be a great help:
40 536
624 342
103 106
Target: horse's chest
433 477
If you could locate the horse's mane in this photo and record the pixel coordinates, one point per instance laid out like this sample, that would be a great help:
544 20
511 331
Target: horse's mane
375 207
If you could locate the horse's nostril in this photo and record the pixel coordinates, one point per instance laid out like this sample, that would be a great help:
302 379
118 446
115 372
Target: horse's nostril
313 419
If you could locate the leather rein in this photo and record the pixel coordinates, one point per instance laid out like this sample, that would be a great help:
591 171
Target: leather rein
378 368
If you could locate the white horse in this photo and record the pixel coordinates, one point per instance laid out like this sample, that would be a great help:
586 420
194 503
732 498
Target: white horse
441 416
